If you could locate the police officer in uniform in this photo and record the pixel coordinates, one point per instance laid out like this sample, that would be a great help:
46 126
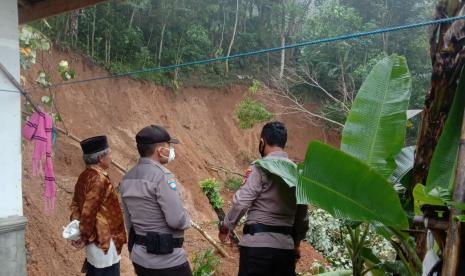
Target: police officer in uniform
275 224
154 215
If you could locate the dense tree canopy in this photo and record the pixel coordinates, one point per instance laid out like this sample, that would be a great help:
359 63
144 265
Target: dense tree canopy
134 34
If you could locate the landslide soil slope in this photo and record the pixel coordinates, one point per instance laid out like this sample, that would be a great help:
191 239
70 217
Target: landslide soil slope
202 119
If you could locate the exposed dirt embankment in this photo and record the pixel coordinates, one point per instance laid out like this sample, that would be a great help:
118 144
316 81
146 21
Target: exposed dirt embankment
203 119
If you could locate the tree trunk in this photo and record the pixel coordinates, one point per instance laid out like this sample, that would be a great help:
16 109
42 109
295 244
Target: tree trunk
93 31
233 36
178 60
220 46
160 49
343 80
446 68
446 45
132 17
150 37
88 41
283 56
283 39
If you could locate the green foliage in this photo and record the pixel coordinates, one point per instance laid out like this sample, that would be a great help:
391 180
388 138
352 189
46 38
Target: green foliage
444 162
233 183
332 110
375 128
404 164
65 72
364 196
360 190
31 40
255 87
43 79
150 33
205 263
421 197
250 112
286 170
211 188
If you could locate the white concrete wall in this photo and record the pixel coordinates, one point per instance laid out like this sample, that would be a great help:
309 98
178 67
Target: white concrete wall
10 114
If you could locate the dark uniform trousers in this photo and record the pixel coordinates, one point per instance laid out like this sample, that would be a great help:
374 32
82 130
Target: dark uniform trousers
106 271
261 261
180 270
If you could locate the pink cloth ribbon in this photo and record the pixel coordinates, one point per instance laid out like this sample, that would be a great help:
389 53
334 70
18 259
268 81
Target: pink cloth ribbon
38 129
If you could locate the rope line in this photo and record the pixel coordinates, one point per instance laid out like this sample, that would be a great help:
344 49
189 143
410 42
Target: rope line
275 49
268 50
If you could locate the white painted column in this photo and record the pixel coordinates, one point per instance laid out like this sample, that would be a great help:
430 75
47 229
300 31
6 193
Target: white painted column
12 222
10 114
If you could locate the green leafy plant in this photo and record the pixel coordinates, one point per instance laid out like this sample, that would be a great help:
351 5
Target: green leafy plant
373 136
233 183
205 263
250 112
211 188
287 170
30 41
443 165
256 84
65 72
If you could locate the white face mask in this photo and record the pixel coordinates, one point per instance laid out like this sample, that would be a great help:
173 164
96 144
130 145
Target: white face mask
171 155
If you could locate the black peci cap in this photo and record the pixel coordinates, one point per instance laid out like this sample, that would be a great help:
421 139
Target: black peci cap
94 144
154 134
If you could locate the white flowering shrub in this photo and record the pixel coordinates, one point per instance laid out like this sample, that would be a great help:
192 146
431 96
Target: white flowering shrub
328 236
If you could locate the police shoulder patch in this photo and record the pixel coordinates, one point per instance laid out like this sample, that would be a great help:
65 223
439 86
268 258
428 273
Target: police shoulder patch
247 174
172 183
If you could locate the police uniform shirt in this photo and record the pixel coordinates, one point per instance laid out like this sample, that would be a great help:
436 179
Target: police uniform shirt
152 203
271 203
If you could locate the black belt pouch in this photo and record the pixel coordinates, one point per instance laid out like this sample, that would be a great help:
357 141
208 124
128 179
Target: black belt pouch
160 244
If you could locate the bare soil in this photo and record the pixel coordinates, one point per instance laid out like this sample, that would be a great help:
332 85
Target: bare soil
202 119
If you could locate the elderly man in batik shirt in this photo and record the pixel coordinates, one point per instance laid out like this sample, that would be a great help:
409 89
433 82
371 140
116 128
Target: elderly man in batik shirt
95 204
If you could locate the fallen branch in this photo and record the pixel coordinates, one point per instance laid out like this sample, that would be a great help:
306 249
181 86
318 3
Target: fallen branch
219 168
116 164
210 239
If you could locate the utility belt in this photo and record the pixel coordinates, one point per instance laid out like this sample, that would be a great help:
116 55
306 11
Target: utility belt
159 244
251 229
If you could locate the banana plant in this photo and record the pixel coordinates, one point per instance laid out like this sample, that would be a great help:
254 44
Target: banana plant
352 183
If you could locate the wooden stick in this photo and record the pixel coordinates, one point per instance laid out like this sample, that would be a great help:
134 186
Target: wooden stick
73 137
219 168
431 223
210 239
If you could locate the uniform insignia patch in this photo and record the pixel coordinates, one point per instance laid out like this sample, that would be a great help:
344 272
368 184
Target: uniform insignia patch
172 183
247 174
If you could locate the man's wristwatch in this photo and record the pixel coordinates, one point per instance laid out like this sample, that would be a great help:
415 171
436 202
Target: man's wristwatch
222 228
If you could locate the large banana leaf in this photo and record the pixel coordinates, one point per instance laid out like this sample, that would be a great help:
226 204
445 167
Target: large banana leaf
444 162
287 170
375 128
404 161
347 188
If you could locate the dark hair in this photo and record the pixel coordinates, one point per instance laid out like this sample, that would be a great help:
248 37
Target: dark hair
146 150
274 134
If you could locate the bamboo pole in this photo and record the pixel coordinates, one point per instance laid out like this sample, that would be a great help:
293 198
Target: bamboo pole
210 239
453 251
17 85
